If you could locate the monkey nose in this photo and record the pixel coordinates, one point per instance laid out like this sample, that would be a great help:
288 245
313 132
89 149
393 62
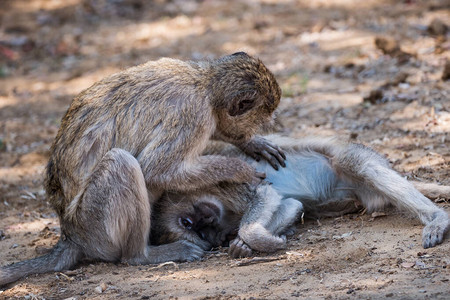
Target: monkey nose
209 220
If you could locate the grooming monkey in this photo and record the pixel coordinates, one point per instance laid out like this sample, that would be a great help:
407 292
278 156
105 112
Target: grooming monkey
139 132
322 177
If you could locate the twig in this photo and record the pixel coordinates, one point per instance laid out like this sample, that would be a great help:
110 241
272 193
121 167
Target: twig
71 272
256 260
65 277
163 265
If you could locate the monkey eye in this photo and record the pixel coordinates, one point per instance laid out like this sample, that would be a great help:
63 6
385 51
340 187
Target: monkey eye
245 104
241 106
186 223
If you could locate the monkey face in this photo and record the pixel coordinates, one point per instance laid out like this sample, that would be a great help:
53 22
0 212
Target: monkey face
246 94
206 219
197 219
240 128
201 214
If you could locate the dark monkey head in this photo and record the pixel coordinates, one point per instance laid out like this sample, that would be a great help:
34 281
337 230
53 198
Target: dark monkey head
200 220
244 95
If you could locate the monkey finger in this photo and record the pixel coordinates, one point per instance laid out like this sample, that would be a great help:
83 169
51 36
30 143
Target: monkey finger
190 251
238 248
271 159
253 154
232 250
279 150
276 152
280 155
432 236
258 178
244 251
260 175
235 246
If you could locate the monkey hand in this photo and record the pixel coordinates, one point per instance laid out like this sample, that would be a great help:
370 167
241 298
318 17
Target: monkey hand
186 251
258 147
258 178
238 248
238 171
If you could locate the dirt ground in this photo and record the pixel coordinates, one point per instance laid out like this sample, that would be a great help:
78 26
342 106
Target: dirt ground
326 60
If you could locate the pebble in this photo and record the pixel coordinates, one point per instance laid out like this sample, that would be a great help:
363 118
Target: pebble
101 288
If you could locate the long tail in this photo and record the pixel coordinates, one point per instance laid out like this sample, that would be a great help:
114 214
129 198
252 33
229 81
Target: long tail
63 256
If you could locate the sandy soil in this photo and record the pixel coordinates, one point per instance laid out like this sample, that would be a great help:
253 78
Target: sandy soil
326 60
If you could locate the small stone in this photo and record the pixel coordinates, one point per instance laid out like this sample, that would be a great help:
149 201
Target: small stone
437 27
101 288
353 135
420 264
408 265
389 46
374 97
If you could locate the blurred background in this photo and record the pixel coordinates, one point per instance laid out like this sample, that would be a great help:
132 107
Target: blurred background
373 71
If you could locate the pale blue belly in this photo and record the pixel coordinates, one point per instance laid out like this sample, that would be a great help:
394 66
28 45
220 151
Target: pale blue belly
307 176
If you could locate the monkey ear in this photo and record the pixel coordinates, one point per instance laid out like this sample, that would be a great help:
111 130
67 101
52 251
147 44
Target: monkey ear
240 54
241 106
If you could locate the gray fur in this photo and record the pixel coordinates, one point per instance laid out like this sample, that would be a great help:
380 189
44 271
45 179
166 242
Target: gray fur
324 177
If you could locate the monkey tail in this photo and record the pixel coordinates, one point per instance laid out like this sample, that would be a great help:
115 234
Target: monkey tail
64 255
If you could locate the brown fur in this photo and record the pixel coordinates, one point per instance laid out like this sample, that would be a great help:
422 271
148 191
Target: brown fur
132 135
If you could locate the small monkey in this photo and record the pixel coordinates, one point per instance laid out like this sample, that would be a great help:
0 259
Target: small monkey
139 132
322 177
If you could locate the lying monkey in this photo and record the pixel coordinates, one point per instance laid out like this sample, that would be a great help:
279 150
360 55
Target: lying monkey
323 177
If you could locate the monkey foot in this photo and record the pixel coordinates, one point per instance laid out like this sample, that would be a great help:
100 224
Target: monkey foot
238 248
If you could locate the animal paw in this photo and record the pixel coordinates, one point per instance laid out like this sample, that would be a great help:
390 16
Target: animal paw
238 248
433 233
259 148
190 251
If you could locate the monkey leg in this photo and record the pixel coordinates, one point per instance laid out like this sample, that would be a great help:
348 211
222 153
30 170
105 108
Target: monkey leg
377 185
285 216
265 214
111 218
264 234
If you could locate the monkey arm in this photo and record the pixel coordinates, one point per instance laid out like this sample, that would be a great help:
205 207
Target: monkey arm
204 172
